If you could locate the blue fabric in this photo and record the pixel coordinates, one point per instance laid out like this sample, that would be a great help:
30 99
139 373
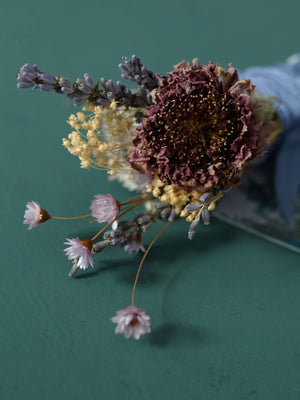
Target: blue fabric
283 82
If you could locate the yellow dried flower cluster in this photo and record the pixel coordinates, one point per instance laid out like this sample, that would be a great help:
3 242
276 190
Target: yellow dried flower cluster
175 196
102 137
179 198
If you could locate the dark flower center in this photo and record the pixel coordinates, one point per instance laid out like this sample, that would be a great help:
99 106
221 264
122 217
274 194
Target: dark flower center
134 321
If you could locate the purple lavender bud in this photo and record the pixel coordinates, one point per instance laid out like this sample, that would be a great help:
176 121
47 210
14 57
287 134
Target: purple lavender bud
110 96
119 89
146 226
111 92
135 60
101 101
142 217
80 100
45 87
193 207
27 73
63 82
24 85
165 213
28 70
88 81
124 69
64 86
142 98
124 226
134 71
144 220
47 78
114 237
204 197
193 227
205 216
138 78
107 84
67 91
199 205
157 205
121 232
126 99
172 215
127 93
82 90
162 210
36 69
100 246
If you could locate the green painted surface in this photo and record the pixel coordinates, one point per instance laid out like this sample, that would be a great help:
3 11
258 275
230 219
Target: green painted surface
225 307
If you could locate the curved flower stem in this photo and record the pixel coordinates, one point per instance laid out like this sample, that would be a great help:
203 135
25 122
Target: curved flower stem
132 200
63 218
121 215
143 259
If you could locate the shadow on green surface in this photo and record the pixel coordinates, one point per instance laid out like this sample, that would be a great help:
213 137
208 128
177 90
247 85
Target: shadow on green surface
172 249
174 252
107 265
171 333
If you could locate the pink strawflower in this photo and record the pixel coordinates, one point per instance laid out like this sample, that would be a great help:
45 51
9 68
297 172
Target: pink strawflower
104 208
132 321
34 214
80 251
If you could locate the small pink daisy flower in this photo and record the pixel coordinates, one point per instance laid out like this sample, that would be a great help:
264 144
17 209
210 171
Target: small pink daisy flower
34 214
132 321
80 250
104 208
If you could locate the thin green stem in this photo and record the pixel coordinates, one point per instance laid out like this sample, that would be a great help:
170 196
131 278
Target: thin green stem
132 200
143 259
68 219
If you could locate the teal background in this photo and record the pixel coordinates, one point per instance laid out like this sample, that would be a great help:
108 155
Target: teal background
224 307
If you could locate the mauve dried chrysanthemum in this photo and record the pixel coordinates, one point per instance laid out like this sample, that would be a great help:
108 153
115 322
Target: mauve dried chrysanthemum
202 129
